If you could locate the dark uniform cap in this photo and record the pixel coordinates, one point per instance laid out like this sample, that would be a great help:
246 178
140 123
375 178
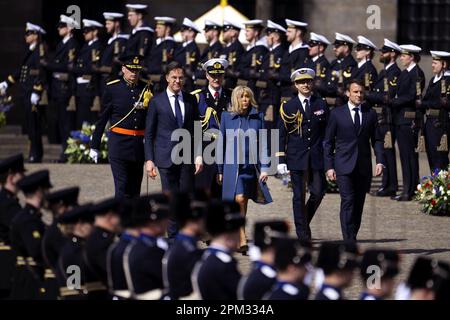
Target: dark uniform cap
32 182
266 231
185 206
78 214
223 217
133 62
12 164
68 196
209 24
150 208
335 256
215 66
428 274
387 260
103 207
291 251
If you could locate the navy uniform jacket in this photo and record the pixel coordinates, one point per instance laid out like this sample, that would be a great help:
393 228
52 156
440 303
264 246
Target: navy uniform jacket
115 263
9 207
352 148
233 53
321 67
145 267
160 56
216 276
63 83
96 249
327 292
251 61
258 282
140 41
270 69
118 100
31 76
52 244
88 57
366 73
432 98
160 124
205 100
338 68
288 291
299 58
375 97
72 255
407 94
114 49
188 56
178 264
301 148
208 53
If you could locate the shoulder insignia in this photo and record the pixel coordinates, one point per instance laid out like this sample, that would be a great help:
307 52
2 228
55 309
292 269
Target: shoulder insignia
347 74
196 91
112 82
143 80
331 294
223 257
162 244
268 272
36 234
290 289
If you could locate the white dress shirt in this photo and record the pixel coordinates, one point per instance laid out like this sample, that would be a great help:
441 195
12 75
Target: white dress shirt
351 106
212 91
171 97
302 100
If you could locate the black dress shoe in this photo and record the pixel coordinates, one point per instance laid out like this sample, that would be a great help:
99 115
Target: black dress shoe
385 193
34 160
402 197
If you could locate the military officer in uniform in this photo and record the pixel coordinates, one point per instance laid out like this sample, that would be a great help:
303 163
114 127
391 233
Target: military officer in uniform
62 93
251 60
58 203
293 264
26 234
212 101
77 225
141 37
143 257
124 104
383 91
180 259
87 78
232 51
387 262
302 125
435 103
110 66
106 226
365 71
262 277
188 54
296 57
408 120
338 262
213 50
317 46
162 52
11 171
32 80
340 71
216 276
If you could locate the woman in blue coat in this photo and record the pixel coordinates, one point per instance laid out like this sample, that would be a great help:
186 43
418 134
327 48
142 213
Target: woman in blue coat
243 162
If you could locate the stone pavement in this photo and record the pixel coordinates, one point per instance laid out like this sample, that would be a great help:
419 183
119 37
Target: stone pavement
386 223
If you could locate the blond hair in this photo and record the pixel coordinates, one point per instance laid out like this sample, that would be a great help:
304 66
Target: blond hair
237 93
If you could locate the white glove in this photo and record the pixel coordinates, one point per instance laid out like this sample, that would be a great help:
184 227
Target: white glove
3 87
35 98
93 154
282 168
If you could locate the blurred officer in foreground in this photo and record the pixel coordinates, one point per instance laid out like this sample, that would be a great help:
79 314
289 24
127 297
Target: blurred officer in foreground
143 257
106 226
263 274
32 81
58 202
125 103
378 271
180 259
77 226
11 171
26 234
338 262
293 262
216 276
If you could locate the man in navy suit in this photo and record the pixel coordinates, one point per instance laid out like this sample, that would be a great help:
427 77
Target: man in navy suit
350 130
171 110
301 130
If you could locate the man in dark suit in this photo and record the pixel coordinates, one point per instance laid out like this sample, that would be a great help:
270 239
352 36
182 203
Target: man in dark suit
347 155
302 128
169 111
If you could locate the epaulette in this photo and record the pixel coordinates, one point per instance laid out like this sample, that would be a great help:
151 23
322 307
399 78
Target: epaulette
112 82
145 81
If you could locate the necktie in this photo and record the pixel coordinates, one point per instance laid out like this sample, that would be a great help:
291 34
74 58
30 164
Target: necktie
307 108
216 95
178 114
357 120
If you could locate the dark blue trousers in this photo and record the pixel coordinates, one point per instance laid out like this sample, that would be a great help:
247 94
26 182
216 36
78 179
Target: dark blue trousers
127 177
389 179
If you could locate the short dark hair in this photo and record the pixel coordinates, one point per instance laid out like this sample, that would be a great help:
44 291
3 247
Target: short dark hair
355 81
172 66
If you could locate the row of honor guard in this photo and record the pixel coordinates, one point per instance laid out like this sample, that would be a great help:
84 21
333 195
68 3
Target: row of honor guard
112 250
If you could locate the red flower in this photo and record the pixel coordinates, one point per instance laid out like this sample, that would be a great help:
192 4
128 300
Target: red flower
433 202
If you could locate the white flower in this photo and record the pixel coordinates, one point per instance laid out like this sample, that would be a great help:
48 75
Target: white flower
448 192
82 147
441 189
419 187
434 191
